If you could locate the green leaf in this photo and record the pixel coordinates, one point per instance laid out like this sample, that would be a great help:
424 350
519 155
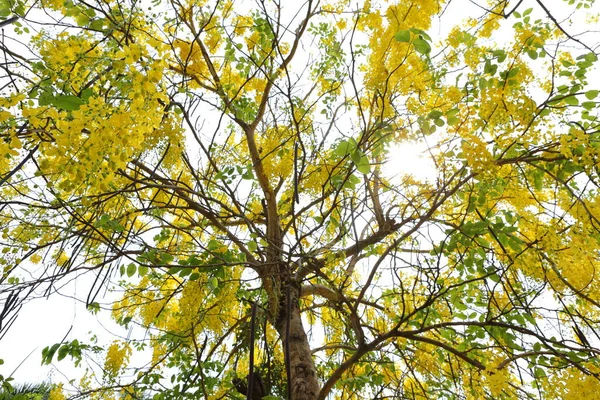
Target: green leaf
62 352
539 372
513 72
46 98
67 102
213 283
142 270
572 101
345 147
538 181
573 356
86 94
356 155
361 161
403 36
532 54
48 353
588 105
500 55
482 242
82 20
435 114
421 33
166 258
452 121
174 270
422 46
97 24
131 270
592 94
451 118
252 245
185 272
490 68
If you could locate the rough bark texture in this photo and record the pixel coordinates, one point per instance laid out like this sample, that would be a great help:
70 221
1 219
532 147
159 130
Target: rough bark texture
304 381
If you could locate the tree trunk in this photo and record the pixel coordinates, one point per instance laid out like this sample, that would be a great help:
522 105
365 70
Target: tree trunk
303 375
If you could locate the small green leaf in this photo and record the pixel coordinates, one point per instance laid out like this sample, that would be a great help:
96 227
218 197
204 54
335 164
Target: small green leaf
142 270
452 121
539 372
67 102
403 36
345 147
185 272
422 46
592 94
252 245
356 156
451 118
213 283
62 352
532 54
435 114
500 55
174 270
97 24
362 163
46 98
48 353
86 94
490 68
538 181
588 105
82 20
572 101
166 258
131 270
421 33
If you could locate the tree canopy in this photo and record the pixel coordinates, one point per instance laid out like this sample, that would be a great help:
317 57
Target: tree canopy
226 170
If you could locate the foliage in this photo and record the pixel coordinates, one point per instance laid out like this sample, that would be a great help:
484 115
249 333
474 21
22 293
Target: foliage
27 391
225 168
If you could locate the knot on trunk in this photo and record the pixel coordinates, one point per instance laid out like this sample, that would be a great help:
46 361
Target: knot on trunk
303 383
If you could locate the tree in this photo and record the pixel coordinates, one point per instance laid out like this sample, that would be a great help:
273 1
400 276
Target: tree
223 168
38 391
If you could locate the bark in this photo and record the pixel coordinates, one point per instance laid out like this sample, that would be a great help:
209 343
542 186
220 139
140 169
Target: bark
303 375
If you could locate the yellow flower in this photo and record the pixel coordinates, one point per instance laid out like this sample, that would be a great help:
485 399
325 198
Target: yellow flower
56 393
116 358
